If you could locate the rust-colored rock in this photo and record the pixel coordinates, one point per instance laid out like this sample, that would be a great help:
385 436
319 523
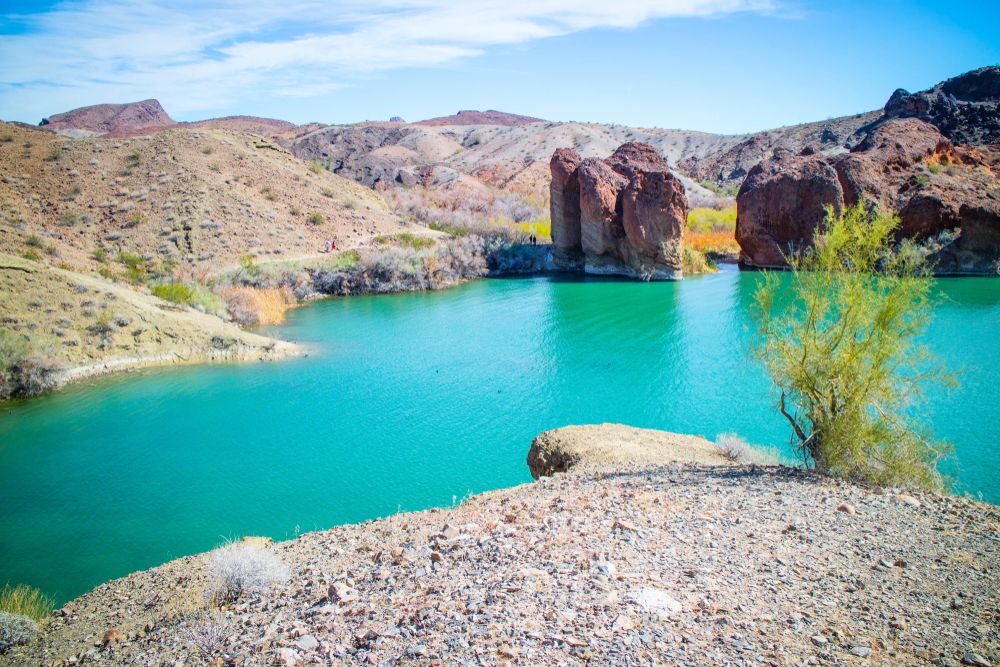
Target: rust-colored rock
654 209
781 203
564 191
600 211
904 166
620 216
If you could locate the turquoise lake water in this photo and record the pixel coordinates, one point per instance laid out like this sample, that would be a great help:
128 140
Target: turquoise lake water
411 401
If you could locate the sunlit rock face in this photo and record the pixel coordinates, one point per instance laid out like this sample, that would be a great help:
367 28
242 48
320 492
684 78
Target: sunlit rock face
623 215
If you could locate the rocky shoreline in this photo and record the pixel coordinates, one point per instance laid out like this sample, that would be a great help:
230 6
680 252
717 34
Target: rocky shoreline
678 557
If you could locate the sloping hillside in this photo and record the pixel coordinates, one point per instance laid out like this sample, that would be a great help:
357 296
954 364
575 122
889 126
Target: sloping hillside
195 198
73 325
965 108
732 163
509 157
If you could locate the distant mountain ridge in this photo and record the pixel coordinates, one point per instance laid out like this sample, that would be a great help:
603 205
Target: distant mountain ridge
509 150
488 117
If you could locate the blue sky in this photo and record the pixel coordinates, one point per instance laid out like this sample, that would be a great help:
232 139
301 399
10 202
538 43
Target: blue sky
712 65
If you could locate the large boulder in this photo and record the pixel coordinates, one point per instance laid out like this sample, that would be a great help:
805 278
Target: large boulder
616 447
781 203
620 216
948 194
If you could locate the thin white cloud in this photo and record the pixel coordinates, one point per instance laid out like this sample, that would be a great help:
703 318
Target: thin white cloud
203 56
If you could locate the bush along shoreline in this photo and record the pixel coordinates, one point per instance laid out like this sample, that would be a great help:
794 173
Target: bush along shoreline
395 268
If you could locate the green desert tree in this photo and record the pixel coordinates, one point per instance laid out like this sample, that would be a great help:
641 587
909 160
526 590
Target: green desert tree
840 339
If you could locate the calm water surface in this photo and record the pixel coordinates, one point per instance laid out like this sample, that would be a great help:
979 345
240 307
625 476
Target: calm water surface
407 402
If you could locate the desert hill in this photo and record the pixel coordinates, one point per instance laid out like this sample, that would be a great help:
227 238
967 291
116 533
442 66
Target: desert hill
507 157
196 197
111 119
510 151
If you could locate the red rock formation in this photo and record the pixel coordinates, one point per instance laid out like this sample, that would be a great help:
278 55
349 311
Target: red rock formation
564 191
904 166
115 119
601 227
624 215
654 209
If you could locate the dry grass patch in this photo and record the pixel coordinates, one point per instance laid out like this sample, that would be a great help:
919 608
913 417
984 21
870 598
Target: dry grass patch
251 306
716 243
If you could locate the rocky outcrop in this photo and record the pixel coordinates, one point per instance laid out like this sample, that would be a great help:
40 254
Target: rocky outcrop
781 203
114 119
616 446
564 201
620 216
903 166
965 108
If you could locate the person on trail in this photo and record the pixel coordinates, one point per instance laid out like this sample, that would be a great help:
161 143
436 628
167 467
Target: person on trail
334 244
329 245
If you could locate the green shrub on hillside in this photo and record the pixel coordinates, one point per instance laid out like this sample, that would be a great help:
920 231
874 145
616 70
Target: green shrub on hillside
173 291
135 267
454 230
840 343
408 240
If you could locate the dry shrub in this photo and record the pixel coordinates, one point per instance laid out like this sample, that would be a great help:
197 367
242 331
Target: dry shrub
16 629
465 207
207 634
712 243
239 569
252 306
738 450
